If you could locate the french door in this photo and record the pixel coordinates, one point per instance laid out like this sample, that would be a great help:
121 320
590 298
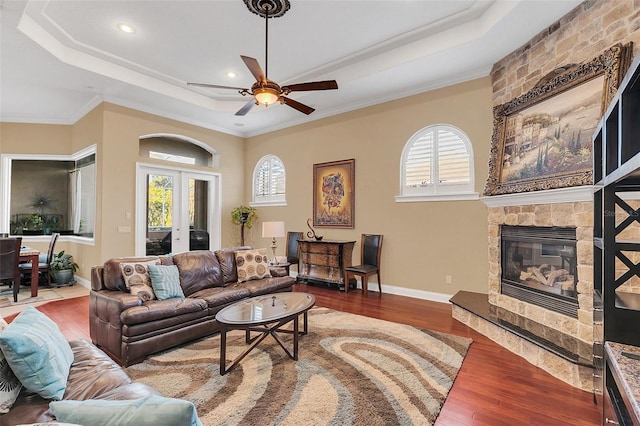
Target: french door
176 210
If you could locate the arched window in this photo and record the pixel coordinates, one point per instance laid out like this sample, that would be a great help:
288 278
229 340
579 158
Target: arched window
269 181
437 164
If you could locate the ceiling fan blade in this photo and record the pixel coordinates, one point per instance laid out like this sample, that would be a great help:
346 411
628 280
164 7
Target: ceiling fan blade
297 105
315 85
254 67
246 108
215 86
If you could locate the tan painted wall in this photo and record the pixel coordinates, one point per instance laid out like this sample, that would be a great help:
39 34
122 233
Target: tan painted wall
118 156
86 132
116 131
424 241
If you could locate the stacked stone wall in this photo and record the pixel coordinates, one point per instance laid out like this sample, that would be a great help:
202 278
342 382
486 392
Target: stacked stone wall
581 35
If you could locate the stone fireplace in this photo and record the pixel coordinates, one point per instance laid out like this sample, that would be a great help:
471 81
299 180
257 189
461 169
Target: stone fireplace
520 317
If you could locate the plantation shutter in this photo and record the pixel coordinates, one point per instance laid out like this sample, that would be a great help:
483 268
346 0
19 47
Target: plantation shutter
270 179
262 180
418 165
453 159
437 163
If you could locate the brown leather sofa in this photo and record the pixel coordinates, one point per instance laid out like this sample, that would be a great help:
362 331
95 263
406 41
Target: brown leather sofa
128 328
93 375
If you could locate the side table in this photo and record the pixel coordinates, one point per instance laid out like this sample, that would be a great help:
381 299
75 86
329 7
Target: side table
276 268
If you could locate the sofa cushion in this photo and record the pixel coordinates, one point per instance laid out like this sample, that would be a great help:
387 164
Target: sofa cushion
252 264
157 310
198 269
9 384
38 353
137 279
265 285
217 296
92 373
227 259
165 281
152 410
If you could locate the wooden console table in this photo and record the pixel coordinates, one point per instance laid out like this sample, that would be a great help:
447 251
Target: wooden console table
324 261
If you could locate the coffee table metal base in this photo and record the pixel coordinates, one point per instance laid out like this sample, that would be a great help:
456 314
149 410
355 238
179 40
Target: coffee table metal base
268 329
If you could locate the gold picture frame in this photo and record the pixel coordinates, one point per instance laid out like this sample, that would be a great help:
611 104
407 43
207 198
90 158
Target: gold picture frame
543 139
334 194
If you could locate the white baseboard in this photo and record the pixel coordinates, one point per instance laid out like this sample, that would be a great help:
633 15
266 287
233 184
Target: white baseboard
408 292
83 282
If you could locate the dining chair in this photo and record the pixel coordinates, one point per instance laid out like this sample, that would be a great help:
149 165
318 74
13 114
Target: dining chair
9 259
293 251
43 263
370 250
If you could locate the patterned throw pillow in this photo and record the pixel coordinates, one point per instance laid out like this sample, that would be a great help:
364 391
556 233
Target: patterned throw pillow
252 264
9 384
137 279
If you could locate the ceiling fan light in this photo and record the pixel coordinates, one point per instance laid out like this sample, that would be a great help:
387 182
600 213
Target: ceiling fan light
265 95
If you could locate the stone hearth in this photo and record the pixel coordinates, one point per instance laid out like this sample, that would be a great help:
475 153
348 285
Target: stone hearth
578 214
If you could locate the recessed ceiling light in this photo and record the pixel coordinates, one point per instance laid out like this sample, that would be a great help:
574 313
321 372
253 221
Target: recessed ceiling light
238 124
232 74
125 28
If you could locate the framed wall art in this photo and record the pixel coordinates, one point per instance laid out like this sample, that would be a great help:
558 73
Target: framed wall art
543 139
334 194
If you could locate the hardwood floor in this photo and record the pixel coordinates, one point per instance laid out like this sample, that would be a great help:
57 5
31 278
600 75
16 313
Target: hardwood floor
494 386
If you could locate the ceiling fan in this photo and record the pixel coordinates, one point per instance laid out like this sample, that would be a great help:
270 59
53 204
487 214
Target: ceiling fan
265 91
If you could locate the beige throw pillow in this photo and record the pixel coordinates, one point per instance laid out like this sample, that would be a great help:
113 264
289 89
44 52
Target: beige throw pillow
252 264
137 279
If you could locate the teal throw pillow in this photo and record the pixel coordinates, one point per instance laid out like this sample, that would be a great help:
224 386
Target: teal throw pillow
149 411
38 353
165 280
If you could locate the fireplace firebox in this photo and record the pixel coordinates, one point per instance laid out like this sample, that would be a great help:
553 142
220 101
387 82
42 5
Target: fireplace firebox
539 266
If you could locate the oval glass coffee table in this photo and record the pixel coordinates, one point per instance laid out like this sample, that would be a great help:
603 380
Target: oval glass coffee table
266 314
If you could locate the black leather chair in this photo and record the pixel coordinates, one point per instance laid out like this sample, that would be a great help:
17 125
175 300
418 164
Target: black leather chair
293 251
43 264
9 259
370 250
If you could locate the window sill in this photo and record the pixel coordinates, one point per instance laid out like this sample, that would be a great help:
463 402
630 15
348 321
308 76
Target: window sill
278 203
460 196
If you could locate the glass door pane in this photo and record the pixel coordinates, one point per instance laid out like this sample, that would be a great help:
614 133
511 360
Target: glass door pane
198 206
176 211
160 213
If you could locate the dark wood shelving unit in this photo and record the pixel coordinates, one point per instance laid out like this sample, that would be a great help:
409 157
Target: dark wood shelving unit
616 153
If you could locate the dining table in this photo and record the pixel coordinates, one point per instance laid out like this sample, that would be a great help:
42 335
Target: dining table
28 254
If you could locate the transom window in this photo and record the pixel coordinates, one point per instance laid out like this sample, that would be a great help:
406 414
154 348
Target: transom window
269 179
437 163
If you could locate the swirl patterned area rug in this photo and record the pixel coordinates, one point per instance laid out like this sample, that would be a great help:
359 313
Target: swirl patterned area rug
352 370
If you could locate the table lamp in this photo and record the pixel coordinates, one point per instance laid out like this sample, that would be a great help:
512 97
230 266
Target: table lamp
273 230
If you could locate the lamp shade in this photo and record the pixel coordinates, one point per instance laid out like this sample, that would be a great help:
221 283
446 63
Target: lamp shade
272 229
265 95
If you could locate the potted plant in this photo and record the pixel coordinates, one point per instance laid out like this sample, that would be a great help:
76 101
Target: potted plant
245 217
62 268
32 224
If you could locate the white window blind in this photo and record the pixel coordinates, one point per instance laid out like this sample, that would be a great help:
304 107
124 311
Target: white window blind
453 159
436 160
269 180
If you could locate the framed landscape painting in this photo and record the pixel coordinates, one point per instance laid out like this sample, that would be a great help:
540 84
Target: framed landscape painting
543 139
334 194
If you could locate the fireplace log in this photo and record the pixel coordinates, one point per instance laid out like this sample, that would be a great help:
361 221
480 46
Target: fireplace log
545 275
